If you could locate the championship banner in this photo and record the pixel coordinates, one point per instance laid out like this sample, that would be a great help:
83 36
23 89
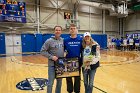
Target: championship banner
12 11
67 67
12 19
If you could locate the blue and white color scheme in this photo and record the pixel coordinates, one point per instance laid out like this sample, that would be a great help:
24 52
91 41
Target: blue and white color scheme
73 46
12 11
87 51
34 84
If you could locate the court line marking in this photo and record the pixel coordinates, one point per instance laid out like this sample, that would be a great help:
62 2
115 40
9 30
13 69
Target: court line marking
98 88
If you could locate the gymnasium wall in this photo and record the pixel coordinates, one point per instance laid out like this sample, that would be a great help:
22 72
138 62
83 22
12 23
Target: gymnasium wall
90 18
34 42
50 17
93 23
132 23
111 24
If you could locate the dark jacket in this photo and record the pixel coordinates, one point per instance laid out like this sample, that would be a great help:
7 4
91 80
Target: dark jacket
93 52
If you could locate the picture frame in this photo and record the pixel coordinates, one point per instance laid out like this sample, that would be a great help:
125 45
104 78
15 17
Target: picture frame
67 67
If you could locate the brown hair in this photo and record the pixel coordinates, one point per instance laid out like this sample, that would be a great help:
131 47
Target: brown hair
72 25
58 26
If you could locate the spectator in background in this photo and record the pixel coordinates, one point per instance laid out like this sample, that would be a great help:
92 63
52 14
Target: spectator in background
118 43
127 43
124 44
109 43
131 42
121 41
113 42
137 43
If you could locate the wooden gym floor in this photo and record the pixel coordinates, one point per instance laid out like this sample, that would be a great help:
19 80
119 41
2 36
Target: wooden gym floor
119 72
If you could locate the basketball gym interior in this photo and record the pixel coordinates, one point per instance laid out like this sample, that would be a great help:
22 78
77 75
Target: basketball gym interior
26 24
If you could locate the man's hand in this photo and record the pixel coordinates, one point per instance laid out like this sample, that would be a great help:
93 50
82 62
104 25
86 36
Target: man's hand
54 58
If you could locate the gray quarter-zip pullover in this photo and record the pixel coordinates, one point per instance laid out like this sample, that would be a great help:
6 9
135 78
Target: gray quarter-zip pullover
53 47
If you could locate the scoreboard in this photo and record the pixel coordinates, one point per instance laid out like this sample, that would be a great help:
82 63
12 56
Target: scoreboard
12 11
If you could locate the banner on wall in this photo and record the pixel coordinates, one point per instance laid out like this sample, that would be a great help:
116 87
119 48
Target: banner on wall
139 35
134 35
12 11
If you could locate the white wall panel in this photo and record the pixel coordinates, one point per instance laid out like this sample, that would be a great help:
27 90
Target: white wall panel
46 14
9 50
61 20
84 21
94 23
130 23
13 44
17 40
67 6
138 21
9 40
88 9
30 13
52 3
52 17
46 3
17 49
111 23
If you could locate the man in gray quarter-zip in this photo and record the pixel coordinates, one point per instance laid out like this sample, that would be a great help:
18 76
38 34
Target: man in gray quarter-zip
53 48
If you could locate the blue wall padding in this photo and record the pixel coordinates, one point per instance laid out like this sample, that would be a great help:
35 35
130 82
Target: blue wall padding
65 35
2 44
101 39
104 41
46 36
33 43
39 42
28 43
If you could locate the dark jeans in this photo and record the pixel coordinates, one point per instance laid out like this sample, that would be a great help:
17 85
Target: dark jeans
76 85
131 47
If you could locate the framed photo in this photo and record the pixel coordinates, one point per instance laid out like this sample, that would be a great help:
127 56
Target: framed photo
66 67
